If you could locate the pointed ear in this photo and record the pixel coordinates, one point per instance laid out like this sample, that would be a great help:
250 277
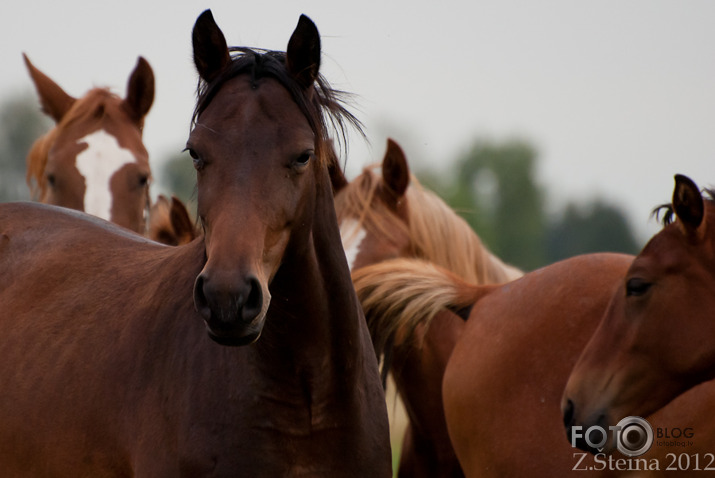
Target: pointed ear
55 102
210 49
303 52
395 172
181 221
688 203
140 91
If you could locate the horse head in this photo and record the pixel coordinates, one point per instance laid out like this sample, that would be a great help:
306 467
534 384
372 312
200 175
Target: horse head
94 159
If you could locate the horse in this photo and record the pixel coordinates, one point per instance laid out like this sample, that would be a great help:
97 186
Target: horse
242 352
94 159
170 222
654 341
503 382
388 215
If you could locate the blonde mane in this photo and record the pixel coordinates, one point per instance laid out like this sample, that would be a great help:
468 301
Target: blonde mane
92 104
436 232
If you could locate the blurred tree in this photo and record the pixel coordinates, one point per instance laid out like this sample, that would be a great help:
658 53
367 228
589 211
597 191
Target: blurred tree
594 227
177 177
495 190
21 123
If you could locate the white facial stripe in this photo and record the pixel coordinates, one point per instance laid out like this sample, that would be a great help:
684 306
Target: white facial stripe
98 163
352 236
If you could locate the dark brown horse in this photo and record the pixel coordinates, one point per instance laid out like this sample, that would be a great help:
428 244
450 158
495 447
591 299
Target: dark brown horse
388 215
94 159
657 338
108 368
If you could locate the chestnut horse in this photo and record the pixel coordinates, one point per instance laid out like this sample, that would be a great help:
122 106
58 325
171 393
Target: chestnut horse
108 364
94 159
504 379
390 215
657 337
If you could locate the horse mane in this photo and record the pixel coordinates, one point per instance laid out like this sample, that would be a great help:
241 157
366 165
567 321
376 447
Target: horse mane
436 232
321 105
443 237
93 104
668 212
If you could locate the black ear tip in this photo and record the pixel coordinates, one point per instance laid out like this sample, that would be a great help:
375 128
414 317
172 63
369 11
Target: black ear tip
681 179
304 22
204 20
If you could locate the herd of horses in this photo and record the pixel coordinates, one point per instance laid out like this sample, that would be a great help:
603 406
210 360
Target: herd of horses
257 342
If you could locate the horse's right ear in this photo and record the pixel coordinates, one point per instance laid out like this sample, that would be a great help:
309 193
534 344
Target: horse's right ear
55 102
395 171
688 204
211 53
140 91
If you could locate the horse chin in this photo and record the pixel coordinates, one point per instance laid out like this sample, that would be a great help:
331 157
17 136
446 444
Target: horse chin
236 337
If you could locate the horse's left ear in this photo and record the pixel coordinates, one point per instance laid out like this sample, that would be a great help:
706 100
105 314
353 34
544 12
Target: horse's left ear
688 203
303 52
211 53
140 91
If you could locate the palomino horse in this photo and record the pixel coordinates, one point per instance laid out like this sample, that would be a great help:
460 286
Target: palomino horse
108 364
504 380
657 337
94 160
382 217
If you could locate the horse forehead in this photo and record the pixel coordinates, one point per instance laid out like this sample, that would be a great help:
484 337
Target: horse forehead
265 108
98 163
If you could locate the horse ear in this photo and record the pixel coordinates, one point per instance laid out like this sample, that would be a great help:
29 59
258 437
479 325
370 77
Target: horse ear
210 49
303 53
688 203
55 102
181 221
395 171
140 91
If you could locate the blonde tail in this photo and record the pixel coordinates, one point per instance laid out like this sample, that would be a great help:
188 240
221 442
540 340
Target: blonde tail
400 294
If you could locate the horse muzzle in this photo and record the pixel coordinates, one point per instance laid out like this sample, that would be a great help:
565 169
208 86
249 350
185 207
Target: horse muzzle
234 311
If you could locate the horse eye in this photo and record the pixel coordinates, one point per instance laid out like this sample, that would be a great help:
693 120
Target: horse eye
51 180
636 287
198 162
304 158
143 180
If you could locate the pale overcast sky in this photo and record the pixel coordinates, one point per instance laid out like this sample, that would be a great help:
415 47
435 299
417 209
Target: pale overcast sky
617 95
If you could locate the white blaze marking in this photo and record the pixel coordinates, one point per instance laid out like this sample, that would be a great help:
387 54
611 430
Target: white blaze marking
352 236
98 163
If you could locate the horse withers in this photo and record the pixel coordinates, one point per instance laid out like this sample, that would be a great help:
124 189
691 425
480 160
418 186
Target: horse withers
94 159
242 352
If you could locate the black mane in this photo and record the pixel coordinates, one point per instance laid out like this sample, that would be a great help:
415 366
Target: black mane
325 104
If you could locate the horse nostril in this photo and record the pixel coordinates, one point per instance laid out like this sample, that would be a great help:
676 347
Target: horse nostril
200 301
568 413
253 305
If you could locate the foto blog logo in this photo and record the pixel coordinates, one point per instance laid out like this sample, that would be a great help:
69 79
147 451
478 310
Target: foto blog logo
633 436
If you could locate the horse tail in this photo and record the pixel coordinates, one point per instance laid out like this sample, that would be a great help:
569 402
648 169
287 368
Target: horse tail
400 294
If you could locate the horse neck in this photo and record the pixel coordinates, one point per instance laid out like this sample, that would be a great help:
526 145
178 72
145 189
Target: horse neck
314 312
